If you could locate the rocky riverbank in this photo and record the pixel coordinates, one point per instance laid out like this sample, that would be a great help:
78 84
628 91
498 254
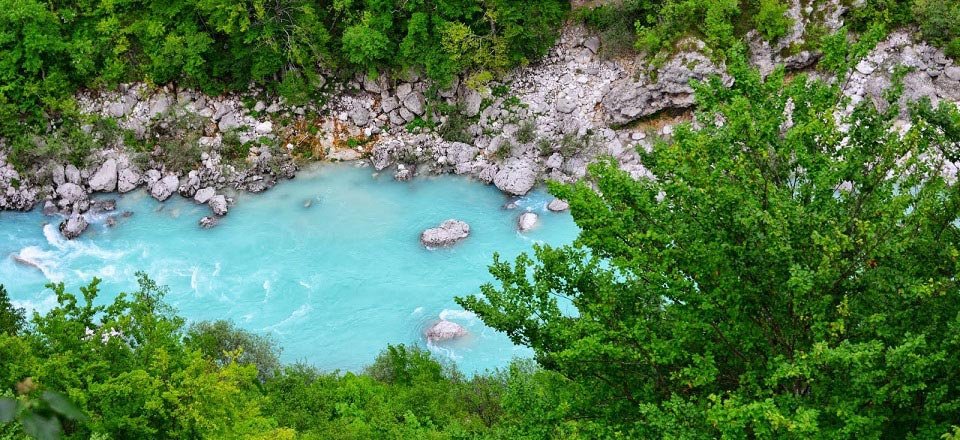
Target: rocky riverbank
546 121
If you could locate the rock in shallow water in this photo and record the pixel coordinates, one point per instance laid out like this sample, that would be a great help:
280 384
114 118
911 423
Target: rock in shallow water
208 222
444 330
527 221
74 226
557 205
218 204
448 233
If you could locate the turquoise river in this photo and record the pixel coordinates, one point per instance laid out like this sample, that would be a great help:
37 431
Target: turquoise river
333 283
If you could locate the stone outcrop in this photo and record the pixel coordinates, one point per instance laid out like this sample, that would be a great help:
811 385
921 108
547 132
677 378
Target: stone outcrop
127 180
446 234
632 98
444 330
203 195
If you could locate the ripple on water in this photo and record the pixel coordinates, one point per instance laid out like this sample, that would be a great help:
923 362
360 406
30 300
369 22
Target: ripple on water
334 280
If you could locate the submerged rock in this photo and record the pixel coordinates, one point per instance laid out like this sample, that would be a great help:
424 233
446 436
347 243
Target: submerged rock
557 205
448 233
209 222
26 261
74 226
527 221
444 330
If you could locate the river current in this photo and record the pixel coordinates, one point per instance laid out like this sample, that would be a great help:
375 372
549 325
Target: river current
329 264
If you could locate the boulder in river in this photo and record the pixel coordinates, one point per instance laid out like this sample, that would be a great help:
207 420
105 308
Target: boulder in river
208 222
557 205
218 204
448 233
444 330
74 226
527 221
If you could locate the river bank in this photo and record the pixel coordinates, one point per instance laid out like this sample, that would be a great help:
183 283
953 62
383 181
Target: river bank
547 121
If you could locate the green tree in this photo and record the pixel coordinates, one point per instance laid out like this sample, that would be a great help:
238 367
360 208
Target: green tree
224 342
785 275
12 319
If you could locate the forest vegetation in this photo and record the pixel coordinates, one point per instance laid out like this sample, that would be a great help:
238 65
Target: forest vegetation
790 273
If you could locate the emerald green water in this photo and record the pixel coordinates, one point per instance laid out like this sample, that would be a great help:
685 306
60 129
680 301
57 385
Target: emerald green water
333 283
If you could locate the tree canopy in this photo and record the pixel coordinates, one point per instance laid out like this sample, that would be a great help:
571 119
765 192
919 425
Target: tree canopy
789 272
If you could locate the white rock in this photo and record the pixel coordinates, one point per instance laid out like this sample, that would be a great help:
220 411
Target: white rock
105 179
527 221
557 205
444 330
70 193
127 180
264 127
446 234
218 204
72 174
517 177
203 195
74 226
165 187
953 72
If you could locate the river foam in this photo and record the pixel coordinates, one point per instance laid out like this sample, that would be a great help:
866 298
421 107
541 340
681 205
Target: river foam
333 282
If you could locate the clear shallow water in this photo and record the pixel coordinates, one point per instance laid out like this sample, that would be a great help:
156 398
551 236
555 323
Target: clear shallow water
333 283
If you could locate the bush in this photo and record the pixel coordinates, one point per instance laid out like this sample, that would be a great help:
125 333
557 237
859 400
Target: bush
771 20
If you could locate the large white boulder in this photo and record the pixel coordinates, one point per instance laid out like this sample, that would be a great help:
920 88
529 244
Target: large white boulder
105 179
516 177
165 187
448 233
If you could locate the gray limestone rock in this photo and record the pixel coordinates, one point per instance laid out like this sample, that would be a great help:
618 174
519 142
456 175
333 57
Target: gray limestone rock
446 234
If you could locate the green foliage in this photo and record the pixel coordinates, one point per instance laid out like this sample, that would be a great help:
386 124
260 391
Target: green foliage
128 368
939 23
52 48
225 343
771 20
12 319
776 280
